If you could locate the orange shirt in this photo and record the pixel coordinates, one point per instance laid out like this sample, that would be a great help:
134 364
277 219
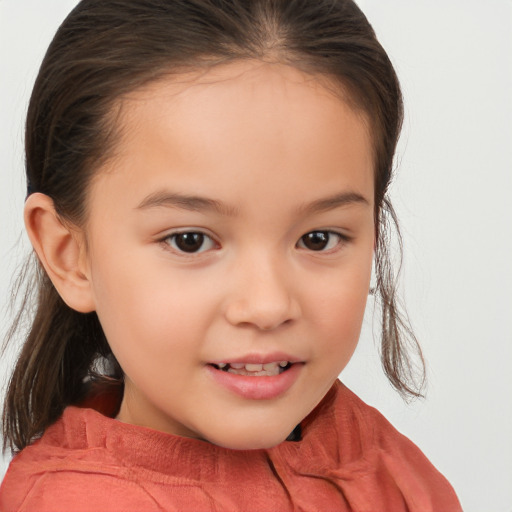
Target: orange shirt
350 458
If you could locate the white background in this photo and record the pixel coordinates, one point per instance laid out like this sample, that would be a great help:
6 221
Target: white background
453 195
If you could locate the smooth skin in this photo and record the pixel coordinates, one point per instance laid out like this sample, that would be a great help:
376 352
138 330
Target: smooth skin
235 220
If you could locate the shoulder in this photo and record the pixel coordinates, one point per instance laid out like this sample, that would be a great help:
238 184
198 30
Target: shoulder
390 456
53 490
375 432
64 471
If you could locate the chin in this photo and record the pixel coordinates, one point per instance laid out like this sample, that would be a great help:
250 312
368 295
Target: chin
253 439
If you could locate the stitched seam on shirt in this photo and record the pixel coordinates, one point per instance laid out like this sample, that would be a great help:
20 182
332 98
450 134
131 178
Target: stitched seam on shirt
29 493
279 479
132 476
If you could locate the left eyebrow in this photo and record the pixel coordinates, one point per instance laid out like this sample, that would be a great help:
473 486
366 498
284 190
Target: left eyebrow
334 201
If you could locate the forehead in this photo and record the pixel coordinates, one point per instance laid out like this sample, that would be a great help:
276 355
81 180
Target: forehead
247 123
247 90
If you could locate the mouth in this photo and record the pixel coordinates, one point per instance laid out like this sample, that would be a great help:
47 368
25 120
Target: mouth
257 377
254 369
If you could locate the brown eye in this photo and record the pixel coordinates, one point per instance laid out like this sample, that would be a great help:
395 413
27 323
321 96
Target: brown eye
190 242
319 240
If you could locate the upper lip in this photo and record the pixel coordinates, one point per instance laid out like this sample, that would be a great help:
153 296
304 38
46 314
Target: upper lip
260 359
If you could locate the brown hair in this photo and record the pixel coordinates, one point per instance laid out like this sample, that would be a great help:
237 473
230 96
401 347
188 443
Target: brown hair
107 48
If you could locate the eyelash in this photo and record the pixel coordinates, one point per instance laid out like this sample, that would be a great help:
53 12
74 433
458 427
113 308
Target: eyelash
170 241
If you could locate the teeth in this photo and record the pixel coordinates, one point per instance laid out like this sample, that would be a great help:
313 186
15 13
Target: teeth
262 373
254 367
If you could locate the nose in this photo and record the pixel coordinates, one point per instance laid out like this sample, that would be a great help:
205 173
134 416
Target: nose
261 296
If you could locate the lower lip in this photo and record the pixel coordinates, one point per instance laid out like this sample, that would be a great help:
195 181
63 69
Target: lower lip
257 388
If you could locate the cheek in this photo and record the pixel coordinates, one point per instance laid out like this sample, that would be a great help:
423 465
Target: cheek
340 308
342 318
143 308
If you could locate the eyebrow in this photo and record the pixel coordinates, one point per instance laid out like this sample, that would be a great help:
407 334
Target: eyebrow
186 202
334 201
197 203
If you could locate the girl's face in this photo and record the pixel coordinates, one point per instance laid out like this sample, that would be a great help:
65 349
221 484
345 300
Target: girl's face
233 229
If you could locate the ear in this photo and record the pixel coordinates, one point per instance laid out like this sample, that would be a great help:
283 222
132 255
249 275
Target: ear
61 251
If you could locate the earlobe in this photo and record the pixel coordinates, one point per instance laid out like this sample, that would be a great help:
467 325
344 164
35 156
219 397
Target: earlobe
60 252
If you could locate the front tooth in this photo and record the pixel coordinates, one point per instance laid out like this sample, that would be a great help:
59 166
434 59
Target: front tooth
237 366
253 367
270 366
283 364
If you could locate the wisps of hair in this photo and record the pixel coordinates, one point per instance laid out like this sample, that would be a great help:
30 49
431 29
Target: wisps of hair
49 373
403 362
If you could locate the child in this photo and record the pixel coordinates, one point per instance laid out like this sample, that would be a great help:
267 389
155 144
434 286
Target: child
206 195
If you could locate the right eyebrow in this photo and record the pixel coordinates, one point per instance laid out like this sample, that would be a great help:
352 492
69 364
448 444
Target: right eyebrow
166 199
